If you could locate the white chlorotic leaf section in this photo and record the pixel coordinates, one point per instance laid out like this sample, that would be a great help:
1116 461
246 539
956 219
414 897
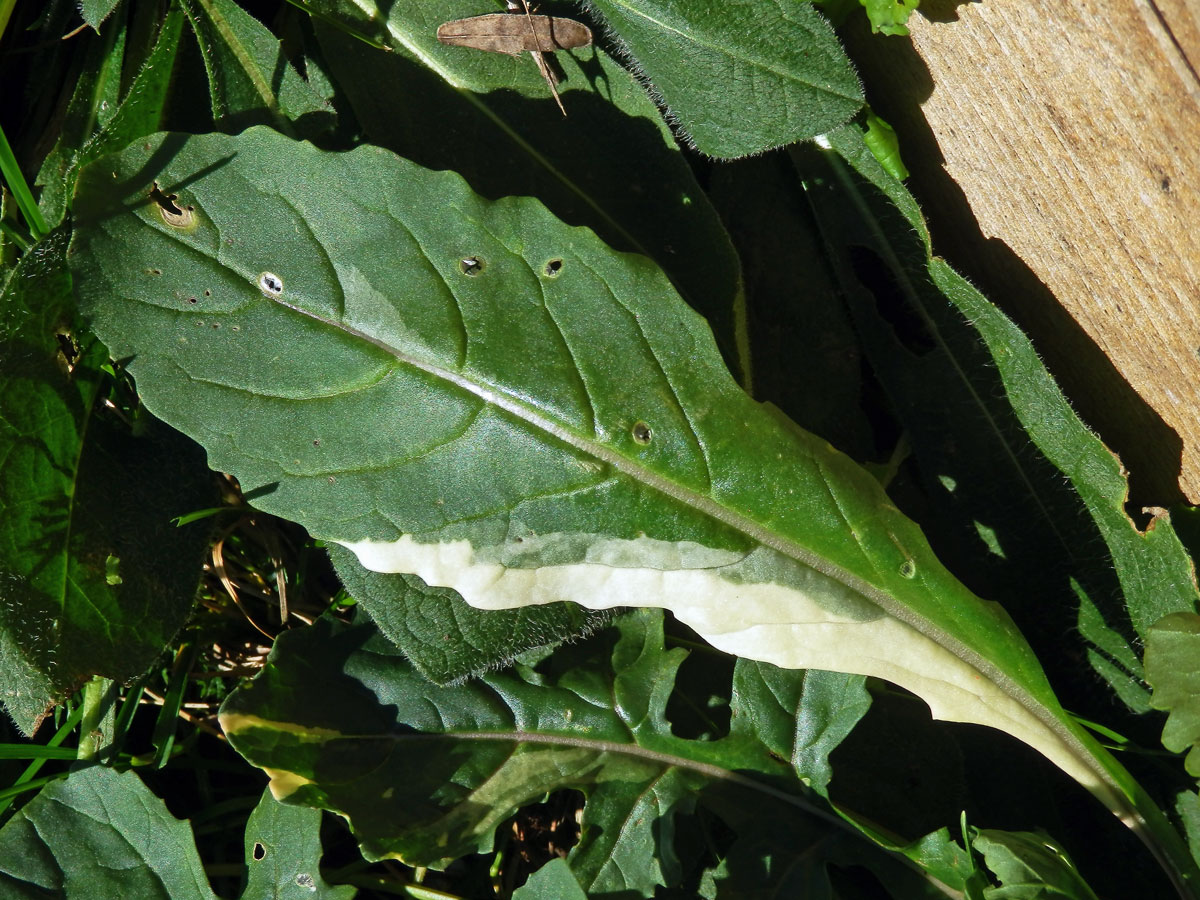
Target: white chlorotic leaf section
813 622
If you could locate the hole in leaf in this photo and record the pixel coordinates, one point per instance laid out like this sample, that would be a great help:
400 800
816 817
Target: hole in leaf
192 300
641 433
172 213
553 268
471 266
260 852
270 284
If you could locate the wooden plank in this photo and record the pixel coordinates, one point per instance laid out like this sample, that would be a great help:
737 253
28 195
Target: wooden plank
1055 148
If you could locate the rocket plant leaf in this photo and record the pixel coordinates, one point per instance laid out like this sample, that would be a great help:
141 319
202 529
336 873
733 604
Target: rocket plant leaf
502 405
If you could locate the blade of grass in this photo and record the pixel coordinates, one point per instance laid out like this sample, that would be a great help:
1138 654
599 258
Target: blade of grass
129 708
35 751
26 778
164 728
15 236
11 172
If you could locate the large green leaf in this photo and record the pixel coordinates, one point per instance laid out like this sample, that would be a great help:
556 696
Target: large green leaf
545 419
497 127
738 77
94 578
98 833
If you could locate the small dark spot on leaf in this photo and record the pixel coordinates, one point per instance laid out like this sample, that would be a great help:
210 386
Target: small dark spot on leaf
260 852
216 324
236 327
908 569
1165 184
192 300
154 271
553 268
472 266
316 442
518 540
208 293
641 433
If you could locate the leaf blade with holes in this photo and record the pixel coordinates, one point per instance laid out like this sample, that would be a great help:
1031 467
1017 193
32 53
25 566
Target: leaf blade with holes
522 434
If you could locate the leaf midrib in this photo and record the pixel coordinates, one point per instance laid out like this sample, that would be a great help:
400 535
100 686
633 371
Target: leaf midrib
723 514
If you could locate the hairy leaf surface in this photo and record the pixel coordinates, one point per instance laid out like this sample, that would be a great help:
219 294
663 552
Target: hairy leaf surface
504 406
739 78
444 637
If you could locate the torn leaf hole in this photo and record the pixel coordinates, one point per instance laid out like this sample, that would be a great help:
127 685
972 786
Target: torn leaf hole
553 268
270 284
641 433
471 266
172 213
68 350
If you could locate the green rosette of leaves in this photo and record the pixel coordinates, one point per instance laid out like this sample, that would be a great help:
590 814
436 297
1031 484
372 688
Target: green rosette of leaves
473 392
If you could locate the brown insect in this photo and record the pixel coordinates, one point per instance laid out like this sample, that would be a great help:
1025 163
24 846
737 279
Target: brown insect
519 31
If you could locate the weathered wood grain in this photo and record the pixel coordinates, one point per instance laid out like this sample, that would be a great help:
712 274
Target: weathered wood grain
1056 150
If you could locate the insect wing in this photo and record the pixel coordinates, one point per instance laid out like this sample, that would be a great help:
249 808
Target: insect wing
515 34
